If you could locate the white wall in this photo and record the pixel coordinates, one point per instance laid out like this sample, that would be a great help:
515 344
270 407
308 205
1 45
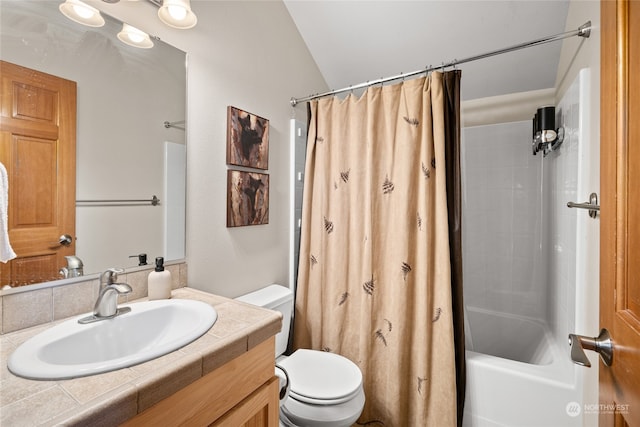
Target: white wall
249 55
577 54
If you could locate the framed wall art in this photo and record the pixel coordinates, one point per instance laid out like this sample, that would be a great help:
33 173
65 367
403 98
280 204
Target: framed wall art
247 139
247 198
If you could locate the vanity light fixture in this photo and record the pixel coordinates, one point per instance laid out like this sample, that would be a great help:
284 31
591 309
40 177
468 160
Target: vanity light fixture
82 13
134 37
177 14
174 13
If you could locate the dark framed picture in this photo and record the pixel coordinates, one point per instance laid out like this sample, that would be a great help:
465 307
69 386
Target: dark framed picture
247 198
247 139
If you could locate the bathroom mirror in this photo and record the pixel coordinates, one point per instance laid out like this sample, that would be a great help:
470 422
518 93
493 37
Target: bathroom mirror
124 150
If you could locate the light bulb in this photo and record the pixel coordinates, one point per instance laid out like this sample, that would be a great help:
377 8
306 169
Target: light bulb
83 11
134 37
177 12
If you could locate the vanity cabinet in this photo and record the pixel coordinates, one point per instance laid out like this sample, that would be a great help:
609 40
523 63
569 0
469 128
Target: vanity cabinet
242 392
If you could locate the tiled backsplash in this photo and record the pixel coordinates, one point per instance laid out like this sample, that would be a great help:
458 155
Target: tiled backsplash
43 305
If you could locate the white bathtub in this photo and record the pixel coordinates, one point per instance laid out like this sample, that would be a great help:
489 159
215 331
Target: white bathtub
516 374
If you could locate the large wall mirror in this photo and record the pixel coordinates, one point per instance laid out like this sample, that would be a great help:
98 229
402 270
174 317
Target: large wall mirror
124 151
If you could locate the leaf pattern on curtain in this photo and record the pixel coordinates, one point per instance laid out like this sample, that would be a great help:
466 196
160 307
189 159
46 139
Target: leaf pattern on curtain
436 315
369 286
354 302
328 226
343 298
369 423
380 336
406 269
425 171
411 121
387 186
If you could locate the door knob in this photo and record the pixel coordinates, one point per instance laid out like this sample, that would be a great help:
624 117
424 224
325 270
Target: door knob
64 240
602 344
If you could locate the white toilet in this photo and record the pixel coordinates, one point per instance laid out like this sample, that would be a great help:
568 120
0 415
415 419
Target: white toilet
325 388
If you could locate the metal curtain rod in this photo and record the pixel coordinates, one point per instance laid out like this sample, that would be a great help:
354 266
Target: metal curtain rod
582 31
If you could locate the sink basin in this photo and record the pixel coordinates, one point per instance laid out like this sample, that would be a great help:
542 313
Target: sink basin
151 329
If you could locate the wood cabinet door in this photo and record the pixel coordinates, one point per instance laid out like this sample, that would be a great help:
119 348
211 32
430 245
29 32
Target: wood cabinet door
38 149
261 409
620 211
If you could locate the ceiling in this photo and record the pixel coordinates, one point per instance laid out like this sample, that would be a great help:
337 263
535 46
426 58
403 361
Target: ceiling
358 41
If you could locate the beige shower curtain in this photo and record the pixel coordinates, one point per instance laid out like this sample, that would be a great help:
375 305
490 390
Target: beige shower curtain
374 280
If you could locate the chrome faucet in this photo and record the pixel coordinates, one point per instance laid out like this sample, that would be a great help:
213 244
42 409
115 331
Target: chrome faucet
106 306
74 267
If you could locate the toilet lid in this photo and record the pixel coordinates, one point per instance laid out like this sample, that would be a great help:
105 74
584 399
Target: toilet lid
322 378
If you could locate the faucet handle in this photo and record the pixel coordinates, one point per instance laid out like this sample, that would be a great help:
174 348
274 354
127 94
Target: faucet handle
109 276
602 344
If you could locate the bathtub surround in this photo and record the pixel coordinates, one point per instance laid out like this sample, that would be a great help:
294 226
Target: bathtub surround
375 275
502 221
524 293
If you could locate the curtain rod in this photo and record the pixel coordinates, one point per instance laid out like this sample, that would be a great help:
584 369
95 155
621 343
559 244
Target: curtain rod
582 31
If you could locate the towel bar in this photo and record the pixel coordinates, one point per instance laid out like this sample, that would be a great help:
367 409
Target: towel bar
592 205
154 201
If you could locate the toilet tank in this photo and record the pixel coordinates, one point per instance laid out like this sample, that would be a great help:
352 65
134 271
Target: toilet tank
278 298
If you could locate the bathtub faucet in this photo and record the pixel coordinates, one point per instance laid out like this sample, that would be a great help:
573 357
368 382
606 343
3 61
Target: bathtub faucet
602 344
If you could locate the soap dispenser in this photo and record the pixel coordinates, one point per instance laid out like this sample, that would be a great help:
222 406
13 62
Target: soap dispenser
159 282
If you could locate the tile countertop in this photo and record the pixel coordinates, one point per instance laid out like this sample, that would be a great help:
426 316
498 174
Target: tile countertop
114 397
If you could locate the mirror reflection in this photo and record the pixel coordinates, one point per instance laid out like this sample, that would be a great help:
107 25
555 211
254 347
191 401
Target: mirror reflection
125 154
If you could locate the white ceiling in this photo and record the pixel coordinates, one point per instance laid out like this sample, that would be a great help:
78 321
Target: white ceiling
358 41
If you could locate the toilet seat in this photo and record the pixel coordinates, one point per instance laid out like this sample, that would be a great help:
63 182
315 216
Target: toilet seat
322 378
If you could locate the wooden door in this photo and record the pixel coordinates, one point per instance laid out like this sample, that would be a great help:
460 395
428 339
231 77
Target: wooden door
38 149
620 210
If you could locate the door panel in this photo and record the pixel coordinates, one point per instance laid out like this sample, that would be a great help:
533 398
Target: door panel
38 148
620 210
36 204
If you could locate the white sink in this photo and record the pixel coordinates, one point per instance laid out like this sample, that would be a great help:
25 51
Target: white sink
151 329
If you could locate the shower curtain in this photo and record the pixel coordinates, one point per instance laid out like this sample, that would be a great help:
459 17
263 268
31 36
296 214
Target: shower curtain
375 280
